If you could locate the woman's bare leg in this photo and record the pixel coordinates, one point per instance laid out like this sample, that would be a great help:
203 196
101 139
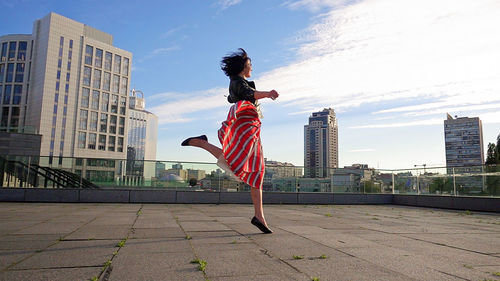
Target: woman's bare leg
255 192
257 204
214 150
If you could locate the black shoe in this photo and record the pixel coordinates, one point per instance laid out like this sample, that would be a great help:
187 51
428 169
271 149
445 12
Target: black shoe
186 141
255 221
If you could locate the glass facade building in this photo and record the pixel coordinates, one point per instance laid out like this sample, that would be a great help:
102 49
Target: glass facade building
142 139
321 144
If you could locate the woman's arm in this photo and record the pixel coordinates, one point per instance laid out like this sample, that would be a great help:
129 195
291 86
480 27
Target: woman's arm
262 94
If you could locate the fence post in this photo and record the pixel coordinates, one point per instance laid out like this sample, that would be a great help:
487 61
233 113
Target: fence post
454 185
392 172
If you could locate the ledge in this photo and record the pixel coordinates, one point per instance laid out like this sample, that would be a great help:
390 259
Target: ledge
69 195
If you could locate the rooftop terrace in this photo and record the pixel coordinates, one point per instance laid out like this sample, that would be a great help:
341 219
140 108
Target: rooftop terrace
91 241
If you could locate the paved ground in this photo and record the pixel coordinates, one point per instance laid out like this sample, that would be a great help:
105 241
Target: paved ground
122 242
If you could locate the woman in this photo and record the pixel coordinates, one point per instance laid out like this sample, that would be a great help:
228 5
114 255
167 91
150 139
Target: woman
241 154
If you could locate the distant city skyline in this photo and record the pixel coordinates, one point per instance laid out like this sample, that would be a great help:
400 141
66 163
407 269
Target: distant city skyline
390 69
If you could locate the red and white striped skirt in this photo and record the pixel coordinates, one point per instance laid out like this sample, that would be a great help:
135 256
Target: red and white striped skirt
241 145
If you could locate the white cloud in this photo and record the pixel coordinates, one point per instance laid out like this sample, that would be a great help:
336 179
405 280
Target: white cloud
443 52
185 107
314 5
159 52
224 4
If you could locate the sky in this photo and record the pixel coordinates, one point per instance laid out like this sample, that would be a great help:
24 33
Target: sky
391 69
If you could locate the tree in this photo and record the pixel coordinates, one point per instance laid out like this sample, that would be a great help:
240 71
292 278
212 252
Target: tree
493 166
492 154
192 182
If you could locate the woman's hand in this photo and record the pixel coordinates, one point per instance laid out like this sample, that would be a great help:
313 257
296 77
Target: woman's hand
273 94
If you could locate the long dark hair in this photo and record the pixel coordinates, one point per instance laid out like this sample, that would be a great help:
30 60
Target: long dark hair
234 63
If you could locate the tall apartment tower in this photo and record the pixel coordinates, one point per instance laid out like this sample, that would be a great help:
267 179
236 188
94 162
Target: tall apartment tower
68 82
321 144
142 139
463 141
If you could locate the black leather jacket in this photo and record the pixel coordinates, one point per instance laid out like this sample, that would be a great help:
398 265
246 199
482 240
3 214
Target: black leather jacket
241 89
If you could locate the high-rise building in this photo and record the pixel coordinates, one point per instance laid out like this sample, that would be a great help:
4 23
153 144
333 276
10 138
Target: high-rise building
463 141
321 144
142 139
68 82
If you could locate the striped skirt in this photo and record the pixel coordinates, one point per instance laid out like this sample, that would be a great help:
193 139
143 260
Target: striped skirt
241 146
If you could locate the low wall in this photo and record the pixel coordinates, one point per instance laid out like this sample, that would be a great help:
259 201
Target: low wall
488 204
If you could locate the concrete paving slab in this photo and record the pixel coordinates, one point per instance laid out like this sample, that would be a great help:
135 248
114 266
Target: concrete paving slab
166 232
217 237
156 245
61 228
71 254
203 226
25 245
155 266
7 258
347 268
89 232
53 274
154 222
488 243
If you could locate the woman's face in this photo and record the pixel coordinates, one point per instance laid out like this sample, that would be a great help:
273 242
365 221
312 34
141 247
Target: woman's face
247 70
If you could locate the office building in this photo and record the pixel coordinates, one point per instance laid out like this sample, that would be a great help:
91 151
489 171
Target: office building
321 144
464 152
68 82
142 139
463 141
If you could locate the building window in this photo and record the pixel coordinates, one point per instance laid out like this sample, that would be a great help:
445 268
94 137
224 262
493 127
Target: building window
21 53
6 94
97 79
85 97
19 73
104 123
12 51
118 64
67 77
111 143
107 61
102 142
114 104
123 104
89 50
10 73
120 144
116 83
121 127
86 76
5 117
4 52
92 140
18 90
123 88
95 100
125 66
106 85
93 121
82 136
83 119
98 58
14 118
2 72
112 124
71 44
104 102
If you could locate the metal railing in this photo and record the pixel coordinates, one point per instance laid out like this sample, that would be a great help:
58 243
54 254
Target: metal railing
69 172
